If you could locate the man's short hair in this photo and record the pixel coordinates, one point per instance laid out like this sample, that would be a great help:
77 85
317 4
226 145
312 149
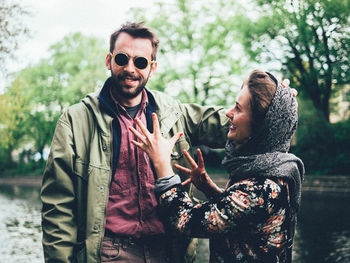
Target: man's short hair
136 30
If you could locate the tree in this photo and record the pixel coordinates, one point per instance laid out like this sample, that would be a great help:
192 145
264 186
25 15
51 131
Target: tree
75 68
11 28
310 38
14 113
198 57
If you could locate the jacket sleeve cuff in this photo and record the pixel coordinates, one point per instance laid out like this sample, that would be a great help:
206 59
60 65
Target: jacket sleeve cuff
167 182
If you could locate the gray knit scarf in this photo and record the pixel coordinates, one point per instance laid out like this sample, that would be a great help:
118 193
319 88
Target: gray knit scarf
266 153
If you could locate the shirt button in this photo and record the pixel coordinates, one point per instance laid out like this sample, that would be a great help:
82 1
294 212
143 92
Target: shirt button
175 154
101 187
104 147
95 228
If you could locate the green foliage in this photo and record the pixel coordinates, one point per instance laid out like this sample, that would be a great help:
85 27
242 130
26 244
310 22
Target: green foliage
4 159
198 57
75 68
311 40
79 64
323 147
40 93
14 112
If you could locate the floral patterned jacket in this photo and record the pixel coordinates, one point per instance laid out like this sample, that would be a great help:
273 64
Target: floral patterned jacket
249 222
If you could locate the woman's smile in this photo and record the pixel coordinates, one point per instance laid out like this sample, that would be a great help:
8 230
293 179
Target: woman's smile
240 118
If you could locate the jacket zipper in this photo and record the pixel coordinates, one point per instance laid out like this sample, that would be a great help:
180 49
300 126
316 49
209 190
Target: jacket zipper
107 196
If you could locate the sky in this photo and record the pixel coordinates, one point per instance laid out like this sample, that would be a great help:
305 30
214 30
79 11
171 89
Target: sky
51 20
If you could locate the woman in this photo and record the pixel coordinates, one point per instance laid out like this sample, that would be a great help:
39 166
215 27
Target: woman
253 219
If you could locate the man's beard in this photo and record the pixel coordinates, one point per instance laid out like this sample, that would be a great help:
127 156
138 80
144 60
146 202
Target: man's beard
118 89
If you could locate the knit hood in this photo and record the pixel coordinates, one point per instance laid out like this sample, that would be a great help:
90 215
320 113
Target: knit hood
266 153
278 126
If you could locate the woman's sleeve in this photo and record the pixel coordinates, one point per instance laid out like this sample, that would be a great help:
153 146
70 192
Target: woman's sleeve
247 203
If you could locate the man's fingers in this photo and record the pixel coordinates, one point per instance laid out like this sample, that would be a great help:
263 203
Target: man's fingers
187 181
285 83
184 169
190 160
294 92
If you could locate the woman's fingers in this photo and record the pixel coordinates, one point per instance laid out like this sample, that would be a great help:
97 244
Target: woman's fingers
142 127
156 129
181 168
138 144
137 134
200 159
175 138
190 160
185 170
186 182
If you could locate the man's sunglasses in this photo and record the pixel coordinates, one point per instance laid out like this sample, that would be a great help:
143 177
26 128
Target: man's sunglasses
122 59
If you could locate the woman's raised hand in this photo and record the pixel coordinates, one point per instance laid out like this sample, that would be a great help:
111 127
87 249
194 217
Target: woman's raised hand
198 175
156 146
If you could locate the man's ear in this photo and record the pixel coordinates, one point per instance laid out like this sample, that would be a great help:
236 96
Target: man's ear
108 61
153 68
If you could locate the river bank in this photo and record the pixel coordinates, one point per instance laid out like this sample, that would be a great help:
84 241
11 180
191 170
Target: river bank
312 183
32 180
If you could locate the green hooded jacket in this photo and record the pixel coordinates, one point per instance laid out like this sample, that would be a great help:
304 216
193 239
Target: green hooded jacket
79 169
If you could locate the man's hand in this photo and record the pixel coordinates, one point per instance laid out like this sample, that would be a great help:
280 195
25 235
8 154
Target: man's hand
285 83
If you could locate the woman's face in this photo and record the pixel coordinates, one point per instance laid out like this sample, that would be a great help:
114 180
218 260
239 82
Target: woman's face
241 118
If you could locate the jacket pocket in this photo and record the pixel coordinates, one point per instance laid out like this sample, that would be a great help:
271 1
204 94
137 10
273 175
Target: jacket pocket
180 145
82 170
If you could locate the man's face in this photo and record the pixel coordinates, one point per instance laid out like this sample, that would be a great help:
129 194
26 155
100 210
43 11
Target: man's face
129 79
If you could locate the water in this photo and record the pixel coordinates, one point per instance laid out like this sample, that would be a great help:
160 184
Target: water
323 232
20 230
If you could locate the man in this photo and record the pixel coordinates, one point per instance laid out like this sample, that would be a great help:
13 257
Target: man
98 188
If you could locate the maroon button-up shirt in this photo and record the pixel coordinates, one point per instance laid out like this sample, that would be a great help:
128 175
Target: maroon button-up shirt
131 209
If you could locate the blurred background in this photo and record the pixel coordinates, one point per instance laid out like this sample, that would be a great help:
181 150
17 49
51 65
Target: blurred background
52 53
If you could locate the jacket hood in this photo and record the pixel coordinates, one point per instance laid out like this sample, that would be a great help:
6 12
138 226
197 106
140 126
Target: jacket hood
93 103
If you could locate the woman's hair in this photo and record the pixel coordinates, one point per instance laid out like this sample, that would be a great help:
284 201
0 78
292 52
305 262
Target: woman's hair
136 30
262 87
